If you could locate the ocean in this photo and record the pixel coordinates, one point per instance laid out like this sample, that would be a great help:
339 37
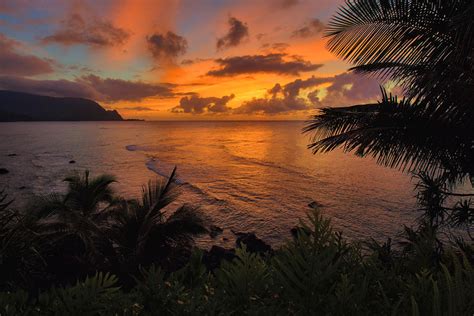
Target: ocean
245 176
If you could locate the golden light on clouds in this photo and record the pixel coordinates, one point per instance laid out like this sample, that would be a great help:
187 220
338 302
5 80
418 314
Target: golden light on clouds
221 58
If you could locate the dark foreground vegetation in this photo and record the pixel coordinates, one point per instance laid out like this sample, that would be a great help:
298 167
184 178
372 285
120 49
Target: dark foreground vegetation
90 252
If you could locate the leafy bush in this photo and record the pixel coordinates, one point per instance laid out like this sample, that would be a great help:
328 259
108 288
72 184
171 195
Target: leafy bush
317 272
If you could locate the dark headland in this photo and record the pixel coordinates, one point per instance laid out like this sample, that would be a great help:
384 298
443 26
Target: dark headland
19 106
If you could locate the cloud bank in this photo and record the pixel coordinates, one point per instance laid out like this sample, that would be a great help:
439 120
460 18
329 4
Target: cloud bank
122 90
344 89
89 87
13 62
271 63
295 96
91 31
199 105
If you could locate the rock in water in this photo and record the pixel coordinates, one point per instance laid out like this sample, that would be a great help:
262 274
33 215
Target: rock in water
4 171
72 161
253 243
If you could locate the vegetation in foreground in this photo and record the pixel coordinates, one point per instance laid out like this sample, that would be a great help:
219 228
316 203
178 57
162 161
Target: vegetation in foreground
91 252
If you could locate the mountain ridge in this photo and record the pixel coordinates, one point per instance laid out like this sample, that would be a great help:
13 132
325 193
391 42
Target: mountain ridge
21 106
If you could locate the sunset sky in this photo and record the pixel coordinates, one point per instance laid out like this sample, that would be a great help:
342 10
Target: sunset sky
188 59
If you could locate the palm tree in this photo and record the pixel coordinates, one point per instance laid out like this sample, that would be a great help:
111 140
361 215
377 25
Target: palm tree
427 48
145 232
72 227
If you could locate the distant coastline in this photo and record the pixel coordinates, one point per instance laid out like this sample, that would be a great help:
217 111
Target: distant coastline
19 106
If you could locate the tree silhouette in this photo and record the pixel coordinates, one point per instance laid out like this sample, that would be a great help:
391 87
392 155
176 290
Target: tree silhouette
146 232
427 48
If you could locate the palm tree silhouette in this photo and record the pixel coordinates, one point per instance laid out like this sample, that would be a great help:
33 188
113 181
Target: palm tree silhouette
427 48
91 228
146 232
82 212
72 227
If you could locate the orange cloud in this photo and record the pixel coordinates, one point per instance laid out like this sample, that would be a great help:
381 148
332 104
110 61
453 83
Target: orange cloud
142 18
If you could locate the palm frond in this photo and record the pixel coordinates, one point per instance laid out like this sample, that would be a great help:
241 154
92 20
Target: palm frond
158 194
397 133
44 206
400 31
424 45
86 194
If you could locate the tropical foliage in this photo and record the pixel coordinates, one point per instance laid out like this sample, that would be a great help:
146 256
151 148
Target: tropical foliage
91 252
317 272
62 237
425 47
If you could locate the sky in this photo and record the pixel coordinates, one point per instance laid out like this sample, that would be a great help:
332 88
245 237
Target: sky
180 59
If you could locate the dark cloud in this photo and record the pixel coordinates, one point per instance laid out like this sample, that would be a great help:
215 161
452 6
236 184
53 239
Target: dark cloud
194 61
88 31
271 106
285 4
198 105
12 62
167 46
54 88
292 89
349 88
271 63
118 89
90 87
238 30
138 108
311 28
279 47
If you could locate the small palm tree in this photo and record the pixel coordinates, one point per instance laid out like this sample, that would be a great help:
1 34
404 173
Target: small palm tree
146 233
72 227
